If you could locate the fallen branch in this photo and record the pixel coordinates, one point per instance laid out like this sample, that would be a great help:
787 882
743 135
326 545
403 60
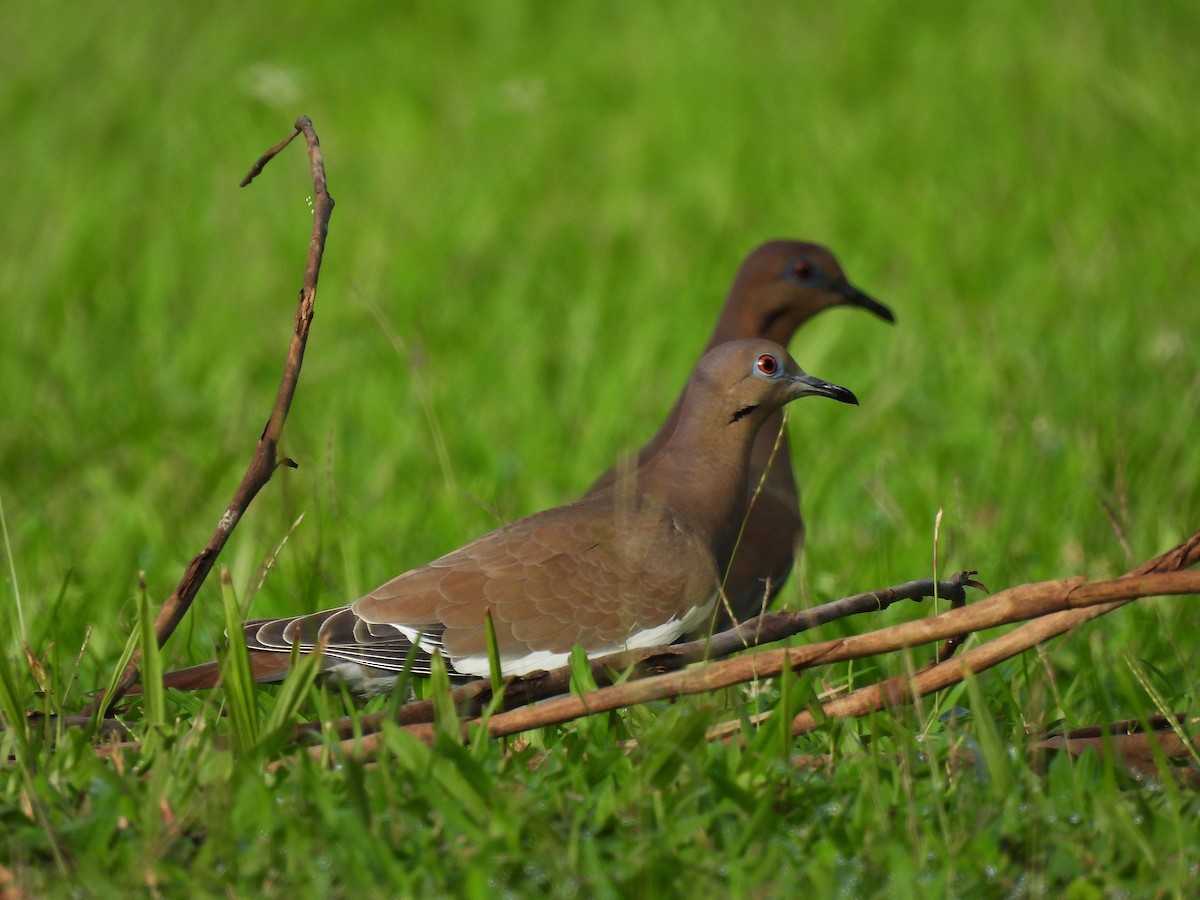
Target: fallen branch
902 688
1044 601
1137 746
985 656
1016 604
265 459
472 698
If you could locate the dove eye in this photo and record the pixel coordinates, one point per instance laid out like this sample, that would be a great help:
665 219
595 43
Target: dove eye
802 269
768 365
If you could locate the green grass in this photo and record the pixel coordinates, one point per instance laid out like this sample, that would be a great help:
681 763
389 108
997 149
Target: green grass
539 210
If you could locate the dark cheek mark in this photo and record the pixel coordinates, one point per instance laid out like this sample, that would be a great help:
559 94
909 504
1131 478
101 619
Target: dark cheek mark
742 413
770 319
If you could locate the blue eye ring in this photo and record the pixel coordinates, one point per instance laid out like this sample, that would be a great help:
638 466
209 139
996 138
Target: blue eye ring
768 364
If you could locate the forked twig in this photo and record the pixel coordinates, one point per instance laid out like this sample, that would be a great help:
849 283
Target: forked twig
985 656
265 459
1140 746
1045 602
1014 605
472 698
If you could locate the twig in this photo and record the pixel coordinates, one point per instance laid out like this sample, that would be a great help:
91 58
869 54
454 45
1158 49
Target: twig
108 728
935 678
1122 726
472 698
1137 745
265 459
1016 604
944 674
1013 605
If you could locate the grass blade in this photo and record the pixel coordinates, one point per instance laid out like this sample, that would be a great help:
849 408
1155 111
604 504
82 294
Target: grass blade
302 675
153 694
12 710
236 675
131 644
445 715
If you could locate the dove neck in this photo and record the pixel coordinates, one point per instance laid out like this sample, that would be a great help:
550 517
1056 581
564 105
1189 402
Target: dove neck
702 473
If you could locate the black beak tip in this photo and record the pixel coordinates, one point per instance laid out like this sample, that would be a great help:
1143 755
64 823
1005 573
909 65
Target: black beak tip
863 300
838 393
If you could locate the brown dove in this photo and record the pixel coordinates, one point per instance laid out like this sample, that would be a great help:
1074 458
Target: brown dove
780 286
635 564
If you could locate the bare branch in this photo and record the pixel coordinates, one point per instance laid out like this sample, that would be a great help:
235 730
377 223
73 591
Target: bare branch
1043 599
472 698
1138 746
992 653
1016 604
265 459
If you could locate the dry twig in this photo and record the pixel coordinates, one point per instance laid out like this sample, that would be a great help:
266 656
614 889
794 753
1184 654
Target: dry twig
1049 625
658 673
1139 746
1045 602
265 459
472 698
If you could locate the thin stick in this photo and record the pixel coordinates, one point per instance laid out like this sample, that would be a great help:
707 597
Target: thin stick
265 459
1015 604
472 698
944 674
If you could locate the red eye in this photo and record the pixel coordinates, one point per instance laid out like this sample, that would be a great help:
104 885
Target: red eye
802 269
767 364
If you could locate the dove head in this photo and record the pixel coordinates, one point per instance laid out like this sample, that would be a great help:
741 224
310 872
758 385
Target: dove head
702 471
736 386
781 285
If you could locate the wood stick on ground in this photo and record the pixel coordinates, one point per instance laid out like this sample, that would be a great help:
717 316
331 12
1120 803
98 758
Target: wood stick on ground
943 675
472 698
1140 747
265 459
906 688
1016 604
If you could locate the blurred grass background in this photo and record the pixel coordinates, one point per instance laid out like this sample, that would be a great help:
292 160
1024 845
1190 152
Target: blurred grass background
540 208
